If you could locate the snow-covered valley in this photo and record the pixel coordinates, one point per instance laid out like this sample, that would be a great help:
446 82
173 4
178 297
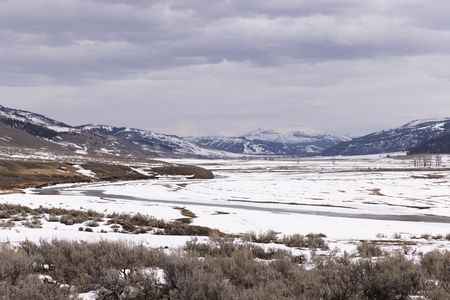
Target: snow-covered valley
346 199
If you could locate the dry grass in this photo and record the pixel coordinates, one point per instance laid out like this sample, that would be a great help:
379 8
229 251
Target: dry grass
21 174
376 192
184 170
188 215
139 224
16 175
226 271
124 223
312 241
366 249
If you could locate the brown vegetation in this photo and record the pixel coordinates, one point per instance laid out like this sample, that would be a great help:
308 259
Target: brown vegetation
64 216
20 174
366 249
25 174
117 270
125 223
312 241
184 170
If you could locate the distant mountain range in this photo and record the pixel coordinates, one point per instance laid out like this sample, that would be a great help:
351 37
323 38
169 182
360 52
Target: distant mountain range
268 142
416 136
153 143
19 128
23 129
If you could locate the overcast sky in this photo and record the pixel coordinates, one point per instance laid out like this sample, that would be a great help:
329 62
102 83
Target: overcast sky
227 66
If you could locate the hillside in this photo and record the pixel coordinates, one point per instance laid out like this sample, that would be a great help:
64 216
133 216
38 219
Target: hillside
439 145
157 144
398 139
29 130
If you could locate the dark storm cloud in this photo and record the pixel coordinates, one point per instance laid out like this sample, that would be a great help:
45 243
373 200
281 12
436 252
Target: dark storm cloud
210 63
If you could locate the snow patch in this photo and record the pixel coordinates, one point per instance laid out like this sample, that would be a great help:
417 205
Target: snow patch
84 172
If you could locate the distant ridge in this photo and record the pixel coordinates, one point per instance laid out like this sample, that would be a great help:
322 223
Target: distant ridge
399 139
269 142
24 129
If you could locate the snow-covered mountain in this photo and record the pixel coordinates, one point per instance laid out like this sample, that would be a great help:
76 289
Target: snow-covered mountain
33 118
294 137
269 142
155 143
398 139
19 128
23 129
31 130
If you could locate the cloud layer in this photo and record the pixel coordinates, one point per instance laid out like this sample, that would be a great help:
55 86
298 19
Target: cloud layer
226 66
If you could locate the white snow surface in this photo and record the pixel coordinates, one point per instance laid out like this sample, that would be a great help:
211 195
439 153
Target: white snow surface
341 198
84 172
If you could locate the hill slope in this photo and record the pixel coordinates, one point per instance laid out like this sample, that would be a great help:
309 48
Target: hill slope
439 145
155 143
399 139
24 129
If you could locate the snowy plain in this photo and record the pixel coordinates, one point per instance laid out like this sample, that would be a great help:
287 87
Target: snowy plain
345 198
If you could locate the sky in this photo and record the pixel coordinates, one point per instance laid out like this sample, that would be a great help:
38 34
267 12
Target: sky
225 67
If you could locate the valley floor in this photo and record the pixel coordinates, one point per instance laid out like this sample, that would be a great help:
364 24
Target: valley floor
385 200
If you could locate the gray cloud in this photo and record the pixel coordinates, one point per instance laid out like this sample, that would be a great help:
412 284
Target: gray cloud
197 66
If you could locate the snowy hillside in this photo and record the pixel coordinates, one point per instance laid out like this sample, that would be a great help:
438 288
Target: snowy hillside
269 142
37 119
293 137
155 142
30 130
398 139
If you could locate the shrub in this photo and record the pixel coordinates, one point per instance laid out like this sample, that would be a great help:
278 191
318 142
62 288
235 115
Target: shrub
33 223
397 236
92 224
366 249
227 270
316 241
295 240
425 236
71 217
436 265
7 224
13 265
391 277
338 278
32 288
264 237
